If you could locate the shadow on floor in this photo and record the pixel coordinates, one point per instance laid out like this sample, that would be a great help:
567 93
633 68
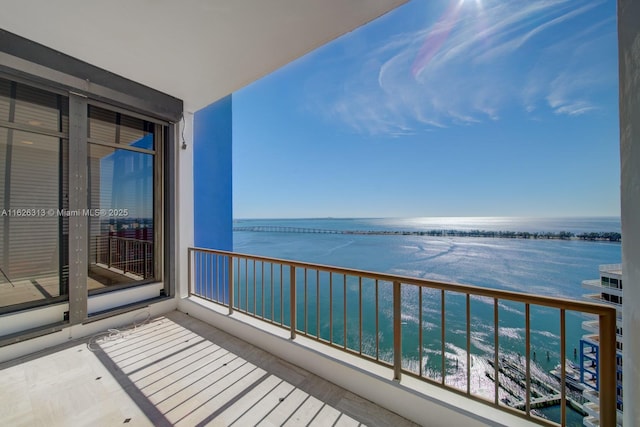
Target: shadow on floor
194 374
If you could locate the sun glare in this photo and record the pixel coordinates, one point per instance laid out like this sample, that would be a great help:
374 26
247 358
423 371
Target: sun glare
478 3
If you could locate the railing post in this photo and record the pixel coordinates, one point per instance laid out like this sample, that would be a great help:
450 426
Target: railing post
607 369
109 249
397 332
292 301
230 284
189 271
147 258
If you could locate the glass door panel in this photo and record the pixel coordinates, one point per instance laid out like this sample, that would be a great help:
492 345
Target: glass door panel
33 237
121 200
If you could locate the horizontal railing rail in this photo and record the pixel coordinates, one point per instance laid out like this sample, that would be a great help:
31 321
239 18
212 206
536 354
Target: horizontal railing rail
422 328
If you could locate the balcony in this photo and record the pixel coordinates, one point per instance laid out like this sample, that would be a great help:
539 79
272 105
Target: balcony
599 298
122 256
267 39
592 326
611 268
596 285
325 312
163 371
173 370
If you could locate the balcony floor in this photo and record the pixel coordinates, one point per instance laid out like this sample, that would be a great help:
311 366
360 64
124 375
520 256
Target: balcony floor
173 370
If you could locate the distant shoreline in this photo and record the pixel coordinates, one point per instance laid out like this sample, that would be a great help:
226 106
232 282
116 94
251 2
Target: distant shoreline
605 236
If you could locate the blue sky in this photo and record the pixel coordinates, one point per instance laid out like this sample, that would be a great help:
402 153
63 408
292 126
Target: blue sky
440 108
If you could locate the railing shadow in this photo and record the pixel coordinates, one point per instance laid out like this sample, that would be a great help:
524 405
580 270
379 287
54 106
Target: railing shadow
197 375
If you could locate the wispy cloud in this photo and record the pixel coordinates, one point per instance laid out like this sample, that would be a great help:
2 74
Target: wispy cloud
518 41
475 64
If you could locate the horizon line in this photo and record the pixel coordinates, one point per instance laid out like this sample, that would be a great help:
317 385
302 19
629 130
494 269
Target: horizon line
435 217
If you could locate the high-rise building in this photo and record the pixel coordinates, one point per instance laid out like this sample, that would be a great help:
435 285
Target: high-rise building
608 290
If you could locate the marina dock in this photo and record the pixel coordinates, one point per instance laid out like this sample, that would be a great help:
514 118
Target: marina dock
543 394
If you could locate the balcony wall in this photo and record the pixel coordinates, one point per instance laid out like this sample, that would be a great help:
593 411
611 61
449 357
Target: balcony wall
629 64
212 176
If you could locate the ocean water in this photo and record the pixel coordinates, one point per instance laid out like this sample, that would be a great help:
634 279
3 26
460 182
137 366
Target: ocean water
544 267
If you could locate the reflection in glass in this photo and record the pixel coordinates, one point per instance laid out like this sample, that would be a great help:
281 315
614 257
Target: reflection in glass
121 225
115 128
5 99
33 238
33 107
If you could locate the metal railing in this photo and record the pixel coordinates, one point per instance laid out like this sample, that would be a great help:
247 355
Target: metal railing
351 310
126 254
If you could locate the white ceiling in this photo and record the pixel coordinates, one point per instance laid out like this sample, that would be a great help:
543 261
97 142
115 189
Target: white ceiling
195 50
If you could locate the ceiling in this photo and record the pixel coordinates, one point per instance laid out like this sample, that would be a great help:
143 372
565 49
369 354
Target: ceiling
195 50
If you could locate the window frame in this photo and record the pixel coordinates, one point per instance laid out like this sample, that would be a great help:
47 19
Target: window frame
60 135
160 147
30 63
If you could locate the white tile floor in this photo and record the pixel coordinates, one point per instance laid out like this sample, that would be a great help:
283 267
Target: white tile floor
174 370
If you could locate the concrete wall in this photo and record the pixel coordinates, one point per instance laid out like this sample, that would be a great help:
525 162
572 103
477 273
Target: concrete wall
184 205
629 62
212 189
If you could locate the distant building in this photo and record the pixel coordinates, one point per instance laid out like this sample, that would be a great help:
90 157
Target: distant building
609 291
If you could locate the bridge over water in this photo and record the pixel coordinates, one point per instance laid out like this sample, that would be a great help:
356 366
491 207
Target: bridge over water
560 235
279 229
433 233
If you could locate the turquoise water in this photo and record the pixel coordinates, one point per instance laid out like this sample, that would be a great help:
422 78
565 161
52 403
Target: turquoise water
545 267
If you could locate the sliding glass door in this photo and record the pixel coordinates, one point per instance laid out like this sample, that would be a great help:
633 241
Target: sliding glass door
33 190
52 194
122 191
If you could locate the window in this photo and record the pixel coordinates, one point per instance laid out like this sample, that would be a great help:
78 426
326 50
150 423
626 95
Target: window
121 209
87 190
34 147
612 298
121 168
